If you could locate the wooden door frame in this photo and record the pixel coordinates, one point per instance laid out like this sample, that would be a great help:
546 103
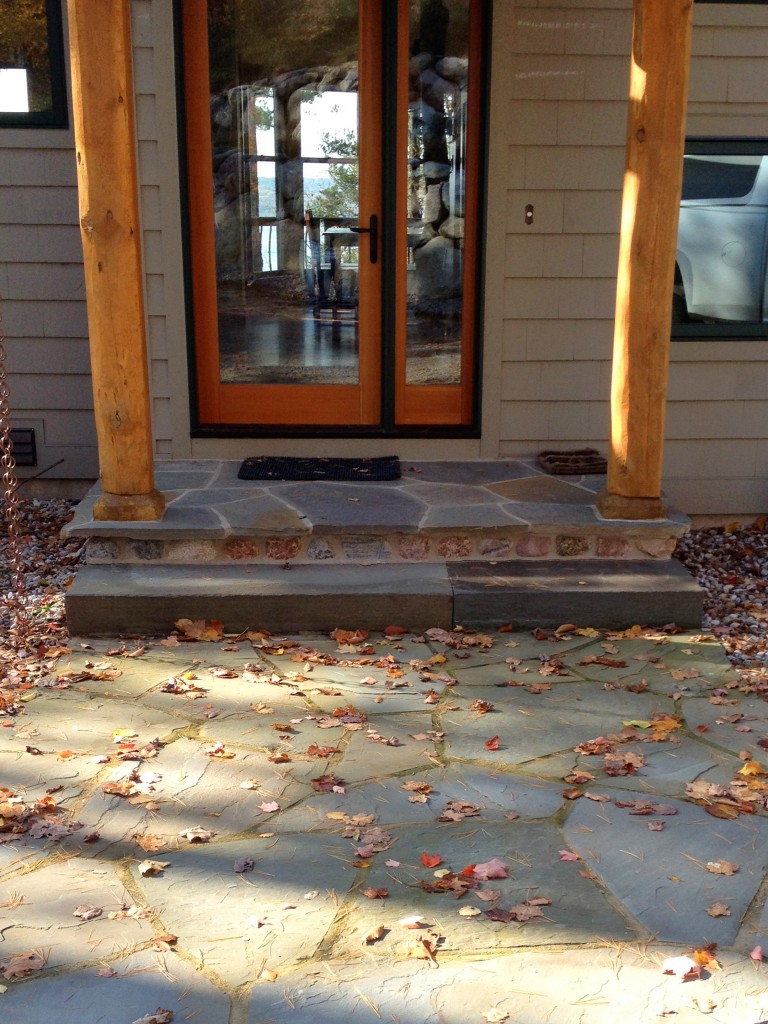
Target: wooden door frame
425 408
309 405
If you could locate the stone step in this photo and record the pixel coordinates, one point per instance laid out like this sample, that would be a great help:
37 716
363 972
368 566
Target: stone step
137 544
609 595
146 598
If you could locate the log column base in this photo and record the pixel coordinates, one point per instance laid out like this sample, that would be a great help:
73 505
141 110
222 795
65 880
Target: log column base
137 508
618 506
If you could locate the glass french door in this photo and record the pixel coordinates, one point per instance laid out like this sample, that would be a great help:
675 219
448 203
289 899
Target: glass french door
332 153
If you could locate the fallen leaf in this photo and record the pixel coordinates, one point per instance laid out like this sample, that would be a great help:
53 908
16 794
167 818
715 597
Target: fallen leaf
327 784
481 707
414 921
22 964
526 911
197 834
243 864
722 867
492 743
705 958
567 855
600 659
494 1016
423 948
703 1005
719 910
494 868
375 894
153 867
373 935
431 860
757 954
683 967
86 912
470 912
269 806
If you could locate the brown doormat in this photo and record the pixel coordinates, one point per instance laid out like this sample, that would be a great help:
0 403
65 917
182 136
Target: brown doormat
268 467
579 462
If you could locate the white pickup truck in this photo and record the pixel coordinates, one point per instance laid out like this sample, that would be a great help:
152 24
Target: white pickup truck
722 241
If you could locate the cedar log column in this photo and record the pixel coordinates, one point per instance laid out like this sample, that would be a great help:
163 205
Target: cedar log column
661 46
102 98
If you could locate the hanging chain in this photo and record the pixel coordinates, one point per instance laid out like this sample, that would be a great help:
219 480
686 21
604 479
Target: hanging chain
14 598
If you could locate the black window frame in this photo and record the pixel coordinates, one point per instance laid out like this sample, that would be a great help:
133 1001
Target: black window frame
714 146
57 115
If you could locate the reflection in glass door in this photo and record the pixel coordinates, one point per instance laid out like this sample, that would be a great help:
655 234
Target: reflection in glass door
287 309
438 131
286 259
287 171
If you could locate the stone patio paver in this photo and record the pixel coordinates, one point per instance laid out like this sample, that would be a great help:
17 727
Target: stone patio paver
321 781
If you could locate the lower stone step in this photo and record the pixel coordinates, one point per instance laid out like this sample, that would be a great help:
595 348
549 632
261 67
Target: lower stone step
117 599
608 595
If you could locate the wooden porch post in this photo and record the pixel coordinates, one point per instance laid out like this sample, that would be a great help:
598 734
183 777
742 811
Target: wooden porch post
661 46
102 97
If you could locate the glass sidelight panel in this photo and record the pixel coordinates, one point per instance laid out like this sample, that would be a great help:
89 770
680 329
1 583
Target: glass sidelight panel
438 122
284 130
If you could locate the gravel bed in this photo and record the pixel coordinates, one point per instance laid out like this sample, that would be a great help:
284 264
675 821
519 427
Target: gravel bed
48 566
730 563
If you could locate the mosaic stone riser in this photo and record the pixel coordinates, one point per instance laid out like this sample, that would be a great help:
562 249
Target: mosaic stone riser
356 548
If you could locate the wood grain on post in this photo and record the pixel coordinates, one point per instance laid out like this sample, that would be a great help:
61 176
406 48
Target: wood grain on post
105 138
661 46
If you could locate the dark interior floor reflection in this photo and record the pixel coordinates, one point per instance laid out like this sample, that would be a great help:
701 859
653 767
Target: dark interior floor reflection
278 336
300 349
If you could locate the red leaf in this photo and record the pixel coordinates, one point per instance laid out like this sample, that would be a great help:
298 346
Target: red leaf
431 860
492 744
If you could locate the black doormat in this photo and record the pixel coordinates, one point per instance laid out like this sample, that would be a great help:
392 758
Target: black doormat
273 467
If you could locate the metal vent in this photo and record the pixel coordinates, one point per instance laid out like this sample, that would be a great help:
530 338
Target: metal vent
24 447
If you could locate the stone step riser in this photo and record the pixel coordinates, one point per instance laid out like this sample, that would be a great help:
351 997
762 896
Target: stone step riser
120 598
333 548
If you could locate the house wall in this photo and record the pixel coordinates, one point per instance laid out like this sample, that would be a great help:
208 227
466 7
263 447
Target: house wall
556 140
559 104
42 302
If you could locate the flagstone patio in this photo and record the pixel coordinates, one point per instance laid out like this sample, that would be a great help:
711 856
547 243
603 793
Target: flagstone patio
561 815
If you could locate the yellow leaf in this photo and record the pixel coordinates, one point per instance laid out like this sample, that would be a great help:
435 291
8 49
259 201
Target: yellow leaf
751 768
437 659
664 725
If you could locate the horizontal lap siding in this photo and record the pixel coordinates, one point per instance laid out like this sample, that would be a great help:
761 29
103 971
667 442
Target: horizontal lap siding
559 97
42 300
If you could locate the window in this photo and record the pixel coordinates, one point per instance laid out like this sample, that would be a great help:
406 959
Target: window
721 268
32 86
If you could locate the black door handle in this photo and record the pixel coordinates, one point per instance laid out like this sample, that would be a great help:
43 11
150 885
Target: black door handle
373 231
